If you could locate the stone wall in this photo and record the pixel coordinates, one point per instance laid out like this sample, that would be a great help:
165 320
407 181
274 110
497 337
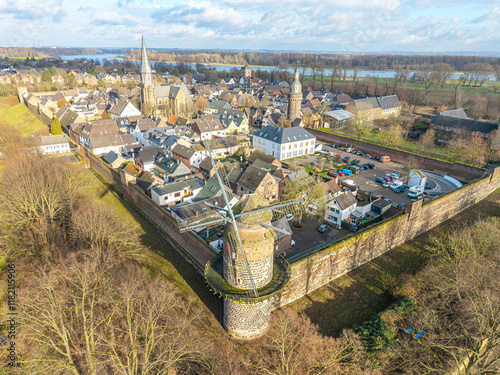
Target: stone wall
320 268
194 250
460 171
246 321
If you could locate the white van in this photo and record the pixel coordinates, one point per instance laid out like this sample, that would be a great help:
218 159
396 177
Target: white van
394 184
415 191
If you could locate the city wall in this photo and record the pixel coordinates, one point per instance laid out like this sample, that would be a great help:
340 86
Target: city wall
314 270
457 170
318 269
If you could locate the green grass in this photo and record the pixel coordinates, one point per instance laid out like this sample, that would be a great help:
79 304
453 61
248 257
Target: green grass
19 116
364 292
161 259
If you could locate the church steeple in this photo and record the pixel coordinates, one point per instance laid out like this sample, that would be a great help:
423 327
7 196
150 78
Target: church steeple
146 73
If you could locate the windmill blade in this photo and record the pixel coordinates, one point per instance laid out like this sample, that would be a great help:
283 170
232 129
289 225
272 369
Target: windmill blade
231 215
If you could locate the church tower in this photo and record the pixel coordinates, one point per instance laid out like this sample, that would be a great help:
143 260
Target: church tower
148 101
295 98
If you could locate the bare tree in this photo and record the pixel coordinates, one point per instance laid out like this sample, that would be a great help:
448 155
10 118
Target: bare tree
427 140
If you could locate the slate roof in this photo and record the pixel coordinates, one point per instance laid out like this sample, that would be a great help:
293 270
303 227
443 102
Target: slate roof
145 124
332 187
366 103
171 165
234 175
346 200
256 155
119 107
466 124
110 157
146 180
106 140
208 123
183 151
456 113
210 190
252 178
147 154
388 102
284 135
50 140
190 210
170 188
281 224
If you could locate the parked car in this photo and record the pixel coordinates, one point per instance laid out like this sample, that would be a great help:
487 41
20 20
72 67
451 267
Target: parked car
355 161
386 184
388 200
395 184
400 205
349 150
360 153
346 171
334 145
289 217
374 157
346 158
333 174
362 167
400 189
340 173
379 180
387 178
370 165
336 155
323 228
395 174
384 159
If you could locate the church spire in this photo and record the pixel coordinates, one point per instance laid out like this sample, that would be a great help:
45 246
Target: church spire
146 73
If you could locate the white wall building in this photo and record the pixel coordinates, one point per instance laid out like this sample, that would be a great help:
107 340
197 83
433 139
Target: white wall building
284 143
52 144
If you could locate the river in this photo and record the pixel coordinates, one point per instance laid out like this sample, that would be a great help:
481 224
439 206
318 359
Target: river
350 73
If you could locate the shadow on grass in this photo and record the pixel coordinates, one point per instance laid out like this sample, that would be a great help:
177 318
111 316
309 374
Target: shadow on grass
157 244
366 291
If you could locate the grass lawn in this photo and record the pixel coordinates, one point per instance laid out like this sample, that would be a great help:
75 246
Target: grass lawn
18 116
355 297
161 259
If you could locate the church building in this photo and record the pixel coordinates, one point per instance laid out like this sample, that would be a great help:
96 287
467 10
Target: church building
158 99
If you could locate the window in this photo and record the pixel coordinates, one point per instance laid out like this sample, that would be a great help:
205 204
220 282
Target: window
177 194
289 147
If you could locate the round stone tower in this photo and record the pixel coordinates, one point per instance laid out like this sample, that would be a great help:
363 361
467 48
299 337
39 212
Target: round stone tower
295 98
246 316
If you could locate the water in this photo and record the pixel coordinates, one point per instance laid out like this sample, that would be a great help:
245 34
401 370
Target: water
223 68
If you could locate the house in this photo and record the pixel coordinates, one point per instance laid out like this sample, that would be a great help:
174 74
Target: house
257 155
340 208
146 157
448 123
222 147
67 117
147 180
170 168
234 125
113 159
176 192
197 212
100 137
380 206
338 119
208 126
160 136
190 156
123 108
390 105
51 144
129 173
367 109
259 181
207 170
284 143
140 126
213 106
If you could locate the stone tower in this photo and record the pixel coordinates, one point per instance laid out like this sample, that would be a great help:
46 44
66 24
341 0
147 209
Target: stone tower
248 71
246 316
295 98
148 100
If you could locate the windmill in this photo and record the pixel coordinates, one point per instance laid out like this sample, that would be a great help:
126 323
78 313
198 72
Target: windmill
247 272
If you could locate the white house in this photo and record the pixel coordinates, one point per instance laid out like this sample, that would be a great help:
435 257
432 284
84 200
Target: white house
175 193
123 108
417 178
52 144
284 143
340 208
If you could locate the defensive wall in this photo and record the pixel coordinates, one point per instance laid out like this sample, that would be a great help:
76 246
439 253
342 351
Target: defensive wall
317 267
314 269
461 171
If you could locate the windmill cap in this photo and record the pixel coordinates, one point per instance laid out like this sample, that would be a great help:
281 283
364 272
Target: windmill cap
251 202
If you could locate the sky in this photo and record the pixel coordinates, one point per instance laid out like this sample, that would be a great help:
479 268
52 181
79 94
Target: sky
346 26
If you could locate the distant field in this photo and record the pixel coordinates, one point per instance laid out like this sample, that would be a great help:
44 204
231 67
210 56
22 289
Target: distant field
364 292
19 117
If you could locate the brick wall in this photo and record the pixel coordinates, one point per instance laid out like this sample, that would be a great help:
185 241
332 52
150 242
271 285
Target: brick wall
460 171
318 269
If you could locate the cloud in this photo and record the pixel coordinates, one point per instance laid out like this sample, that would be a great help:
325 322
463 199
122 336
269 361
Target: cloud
33 10
493 15
113 18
